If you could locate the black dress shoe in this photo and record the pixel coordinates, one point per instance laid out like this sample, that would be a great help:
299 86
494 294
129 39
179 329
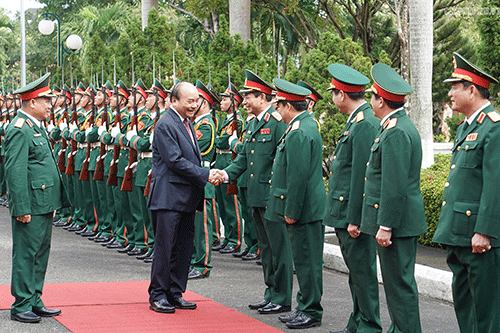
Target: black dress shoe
75 228
59 223
180 303
289 317
162 306
195 274
96 235
258 305
56 220
136 251
115 245
102 239
44 312
144 255
88 233
149 259
111 241
26 317
218 247
228 249
303 321
251 256
68 225
274 308
345 330
81 231
125 249
240 254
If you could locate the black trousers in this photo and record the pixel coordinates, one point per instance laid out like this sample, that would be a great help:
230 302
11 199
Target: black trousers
174 233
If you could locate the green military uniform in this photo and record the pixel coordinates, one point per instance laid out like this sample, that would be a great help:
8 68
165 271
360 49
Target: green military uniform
256 157
470 206
35 188
298 192
393 200
345 198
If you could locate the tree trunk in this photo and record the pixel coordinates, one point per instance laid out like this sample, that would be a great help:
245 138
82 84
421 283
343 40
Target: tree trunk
145 8
420 42
239 18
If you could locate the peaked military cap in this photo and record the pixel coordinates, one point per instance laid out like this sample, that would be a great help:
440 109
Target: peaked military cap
10 95
346 78
80 89
231 90
141 88
315 96
56 90
123 90
160 88
67 91
214 93
254 83
90 90
2 98
204 92
287 91
108 87
465 70
37 88
389 84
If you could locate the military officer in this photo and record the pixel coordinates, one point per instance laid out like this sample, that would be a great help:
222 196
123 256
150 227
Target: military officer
297 200
257 156
312 99
229 207
469 221
35 192
393 208
345 195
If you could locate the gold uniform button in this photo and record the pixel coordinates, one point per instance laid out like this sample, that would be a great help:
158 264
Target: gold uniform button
43 187
468 213
253 140
365 179
458 148
466 147
367 163
269 181
376 206
453 166
377 140
334 157
251 163
446 184
341 198
364 195
331 173
271 172
282 197
251 175
444 203
252 151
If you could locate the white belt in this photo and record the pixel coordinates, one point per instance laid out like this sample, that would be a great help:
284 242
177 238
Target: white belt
223 151
95 144
109 147
145 154
82 145
205 164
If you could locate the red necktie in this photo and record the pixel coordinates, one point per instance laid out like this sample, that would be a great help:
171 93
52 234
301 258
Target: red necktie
189 130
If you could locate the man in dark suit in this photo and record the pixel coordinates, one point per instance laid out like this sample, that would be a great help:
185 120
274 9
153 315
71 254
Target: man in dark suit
177 191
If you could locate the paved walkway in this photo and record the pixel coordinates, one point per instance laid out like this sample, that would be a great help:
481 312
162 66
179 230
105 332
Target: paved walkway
233 283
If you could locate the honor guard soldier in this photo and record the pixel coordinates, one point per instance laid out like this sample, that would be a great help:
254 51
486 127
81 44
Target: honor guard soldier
205 129
469 221
35 192
229 207
311 99
257 157
345 196
3 126
393 208
297 200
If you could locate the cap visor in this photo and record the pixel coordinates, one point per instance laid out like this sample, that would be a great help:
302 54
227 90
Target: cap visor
453 79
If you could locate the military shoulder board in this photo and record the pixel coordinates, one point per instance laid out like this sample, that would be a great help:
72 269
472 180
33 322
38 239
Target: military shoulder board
276 116
360 116
392 123
19 122
295 125
494 116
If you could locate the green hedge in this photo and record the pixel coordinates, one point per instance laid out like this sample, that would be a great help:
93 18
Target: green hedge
432 182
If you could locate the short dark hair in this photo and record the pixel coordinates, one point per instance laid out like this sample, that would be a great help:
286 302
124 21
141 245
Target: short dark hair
176 91
297 105
258 93
485 93
391 104
355 96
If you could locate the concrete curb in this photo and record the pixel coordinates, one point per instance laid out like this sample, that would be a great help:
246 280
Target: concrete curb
431 282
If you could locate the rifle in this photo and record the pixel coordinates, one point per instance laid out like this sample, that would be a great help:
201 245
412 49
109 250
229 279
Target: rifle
53 122
70 167
61 159
233 187
113 169
157 117
84 174
128 180
99 167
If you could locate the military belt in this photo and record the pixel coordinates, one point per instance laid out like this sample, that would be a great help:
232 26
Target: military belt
145 154
95 145
109 147
223 151
82 145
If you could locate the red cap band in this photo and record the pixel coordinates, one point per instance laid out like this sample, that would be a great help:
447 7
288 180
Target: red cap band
142 92
205 95
345 87
162 94
387 95
257 86
124 92
236 97
471 77
283 96
34 94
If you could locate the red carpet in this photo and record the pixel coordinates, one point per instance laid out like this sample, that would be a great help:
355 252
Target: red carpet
123 306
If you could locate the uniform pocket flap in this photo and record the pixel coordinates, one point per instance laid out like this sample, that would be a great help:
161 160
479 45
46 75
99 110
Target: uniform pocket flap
467 208
371 201
469 145
279 192
340 195
42 183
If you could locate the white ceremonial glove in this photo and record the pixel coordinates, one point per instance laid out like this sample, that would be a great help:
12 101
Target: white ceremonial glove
133 167
131 133
232 138
88 130
101 130
50 127
72 128
151 136
115 131
63 125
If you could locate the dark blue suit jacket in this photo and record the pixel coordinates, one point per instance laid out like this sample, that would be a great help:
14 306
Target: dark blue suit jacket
178 179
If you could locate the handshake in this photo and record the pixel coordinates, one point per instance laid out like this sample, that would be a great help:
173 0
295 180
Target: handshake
216 177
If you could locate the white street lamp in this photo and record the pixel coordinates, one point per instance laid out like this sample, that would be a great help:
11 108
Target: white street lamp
46 27
74 42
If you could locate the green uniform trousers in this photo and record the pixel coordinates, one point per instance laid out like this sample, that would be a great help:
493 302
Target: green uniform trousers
123 220
105 216
307 242
249 234
360 256
203 224
136 235
476 289
30 255
230 214
276 256
148 225
97 204
397 263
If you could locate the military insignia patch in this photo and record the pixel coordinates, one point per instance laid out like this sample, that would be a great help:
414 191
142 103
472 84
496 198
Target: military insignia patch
266 117
265 131
229 130
276 116
494 116
295 125
471 137
140 125
98 122
198 134
30 124
19 122
481 118
392 123
360 116
345 133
